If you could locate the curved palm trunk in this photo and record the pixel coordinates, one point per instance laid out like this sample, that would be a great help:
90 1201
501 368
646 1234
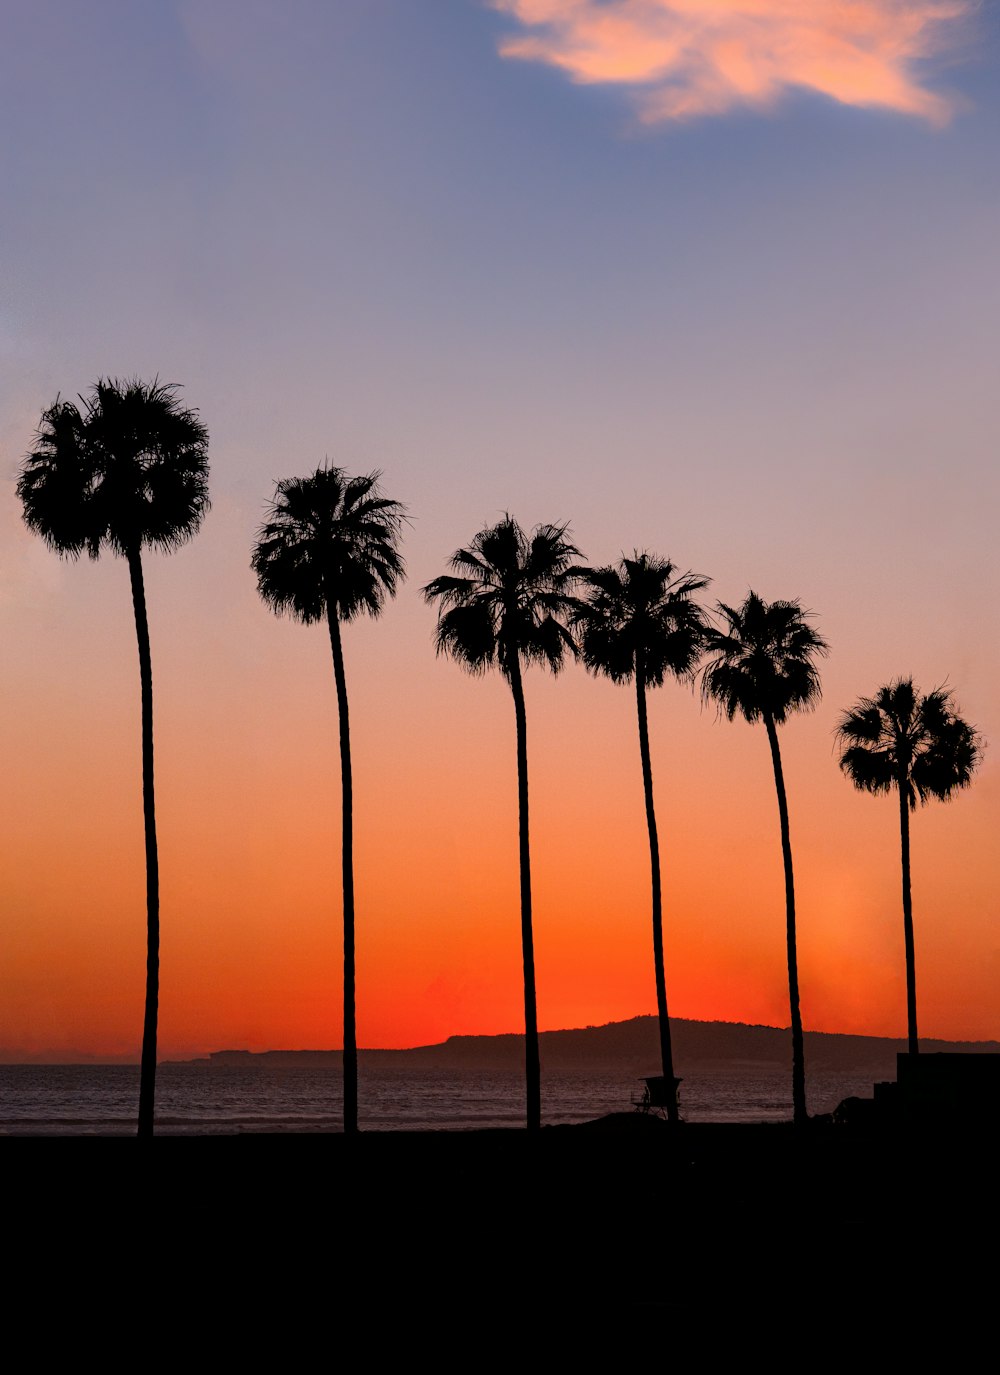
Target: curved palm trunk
147 1071
799 1114
532 1068
911 970
666 1055
350 1021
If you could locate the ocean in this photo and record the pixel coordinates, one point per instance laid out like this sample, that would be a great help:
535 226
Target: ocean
195 1100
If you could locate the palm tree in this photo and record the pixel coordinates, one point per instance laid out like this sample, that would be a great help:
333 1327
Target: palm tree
639 622
329 551
763 667
920 746
505 605
126 469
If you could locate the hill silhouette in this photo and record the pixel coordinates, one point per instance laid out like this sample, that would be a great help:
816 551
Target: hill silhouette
630 1047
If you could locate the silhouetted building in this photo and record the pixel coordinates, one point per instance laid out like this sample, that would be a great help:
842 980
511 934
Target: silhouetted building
948 1088
954 1087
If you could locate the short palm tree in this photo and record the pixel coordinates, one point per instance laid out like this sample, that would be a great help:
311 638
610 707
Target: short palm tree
920 746
639 623
328 550
505 604
762 666
127 468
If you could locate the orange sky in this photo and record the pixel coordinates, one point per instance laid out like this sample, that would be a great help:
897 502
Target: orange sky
249 828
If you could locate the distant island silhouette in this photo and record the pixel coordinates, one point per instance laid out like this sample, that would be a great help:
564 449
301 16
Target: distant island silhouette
630 1048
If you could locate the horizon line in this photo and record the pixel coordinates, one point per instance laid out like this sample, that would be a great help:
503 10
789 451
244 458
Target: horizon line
97 1061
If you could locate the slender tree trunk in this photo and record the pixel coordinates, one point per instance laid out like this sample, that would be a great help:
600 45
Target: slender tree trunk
799 1114
147 1072
350 1019
666 1055
532 1069
911 968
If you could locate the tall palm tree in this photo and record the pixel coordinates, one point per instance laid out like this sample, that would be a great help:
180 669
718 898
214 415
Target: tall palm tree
763 667
920 746
329 551
127 468
639 622
506 603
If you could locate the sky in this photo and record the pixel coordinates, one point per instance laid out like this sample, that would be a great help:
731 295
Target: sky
712 278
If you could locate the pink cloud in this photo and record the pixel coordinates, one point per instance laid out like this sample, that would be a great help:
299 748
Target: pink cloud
685 58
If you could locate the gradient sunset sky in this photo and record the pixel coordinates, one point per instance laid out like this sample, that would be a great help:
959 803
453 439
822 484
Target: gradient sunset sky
713 278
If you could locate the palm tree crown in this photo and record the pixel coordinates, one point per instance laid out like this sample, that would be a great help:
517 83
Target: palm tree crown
900 738
126 468
763 661
511 600
329 545
637 611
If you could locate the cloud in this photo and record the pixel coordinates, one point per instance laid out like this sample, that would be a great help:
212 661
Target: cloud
686 58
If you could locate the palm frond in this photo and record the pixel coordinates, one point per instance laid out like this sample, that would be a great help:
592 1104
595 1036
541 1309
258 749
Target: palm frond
55 482
451 591
871 770
468 561
548 643
468 633
862 725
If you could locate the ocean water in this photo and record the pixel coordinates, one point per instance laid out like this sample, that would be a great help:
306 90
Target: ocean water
192 1100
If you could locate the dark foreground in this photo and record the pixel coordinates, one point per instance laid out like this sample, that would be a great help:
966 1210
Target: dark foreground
828 1244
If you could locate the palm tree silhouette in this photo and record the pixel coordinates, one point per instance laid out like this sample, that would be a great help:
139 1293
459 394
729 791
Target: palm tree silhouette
508 603
639 622
920 746
762 667
329 551
128 469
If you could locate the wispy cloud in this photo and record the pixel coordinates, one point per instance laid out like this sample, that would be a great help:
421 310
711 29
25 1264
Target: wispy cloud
686 58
